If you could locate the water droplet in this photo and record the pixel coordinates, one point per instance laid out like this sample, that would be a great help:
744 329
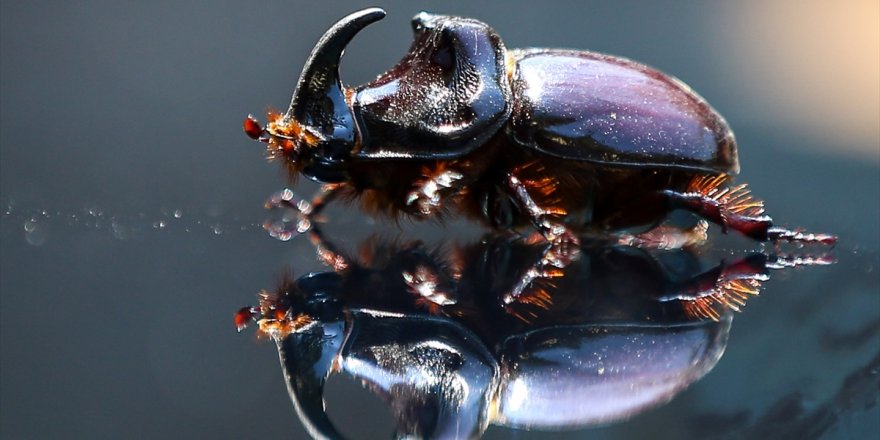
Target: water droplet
35 233
120 231
178 213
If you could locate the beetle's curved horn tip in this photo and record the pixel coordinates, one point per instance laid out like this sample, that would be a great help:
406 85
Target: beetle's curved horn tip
376 11
372 14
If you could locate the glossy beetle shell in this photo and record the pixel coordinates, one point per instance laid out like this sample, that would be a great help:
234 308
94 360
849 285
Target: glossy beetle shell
604 109
607 351
446 97
601 373
451 92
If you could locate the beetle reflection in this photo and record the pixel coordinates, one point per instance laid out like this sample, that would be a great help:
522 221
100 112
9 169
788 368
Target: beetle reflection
489 333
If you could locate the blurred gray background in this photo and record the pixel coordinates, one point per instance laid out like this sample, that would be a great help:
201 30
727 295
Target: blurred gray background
115 313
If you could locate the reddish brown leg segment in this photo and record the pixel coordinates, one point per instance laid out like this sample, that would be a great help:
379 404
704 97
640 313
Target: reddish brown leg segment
667 237
546 219
731 285
732 207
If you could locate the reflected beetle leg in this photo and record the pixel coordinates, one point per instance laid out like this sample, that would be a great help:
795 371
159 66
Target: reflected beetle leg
307 213
327 252
730 284
667 237
432 288
534 286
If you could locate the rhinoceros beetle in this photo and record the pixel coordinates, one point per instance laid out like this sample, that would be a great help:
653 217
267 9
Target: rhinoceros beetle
430 331
567 141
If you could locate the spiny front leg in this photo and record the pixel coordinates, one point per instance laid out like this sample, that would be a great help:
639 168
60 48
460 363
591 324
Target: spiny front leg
733 207
306 212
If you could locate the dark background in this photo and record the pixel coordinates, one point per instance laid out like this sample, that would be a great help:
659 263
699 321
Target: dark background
115 313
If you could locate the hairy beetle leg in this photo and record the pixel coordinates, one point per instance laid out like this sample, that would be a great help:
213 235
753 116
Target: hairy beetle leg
428 193
534 285
307 213
327 252
782 234
733 207
432 288
758 227
565 245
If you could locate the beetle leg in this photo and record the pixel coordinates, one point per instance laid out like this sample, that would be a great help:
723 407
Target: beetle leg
535 285
327 252
667 237
734 208
730 285
306 212
431 287
427 194
565 245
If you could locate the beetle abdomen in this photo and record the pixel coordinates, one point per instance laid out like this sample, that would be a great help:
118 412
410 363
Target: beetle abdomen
599 108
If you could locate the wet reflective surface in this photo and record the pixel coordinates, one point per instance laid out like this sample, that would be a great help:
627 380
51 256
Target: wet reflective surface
122 123
605 338
455 338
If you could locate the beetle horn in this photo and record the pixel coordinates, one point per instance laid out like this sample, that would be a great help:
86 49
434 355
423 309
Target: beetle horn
319 80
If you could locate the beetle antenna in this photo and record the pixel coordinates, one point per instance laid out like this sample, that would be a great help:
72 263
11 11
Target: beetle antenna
255 130
244 316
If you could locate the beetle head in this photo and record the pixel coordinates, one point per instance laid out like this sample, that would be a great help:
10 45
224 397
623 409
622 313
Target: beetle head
317 134
294 306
